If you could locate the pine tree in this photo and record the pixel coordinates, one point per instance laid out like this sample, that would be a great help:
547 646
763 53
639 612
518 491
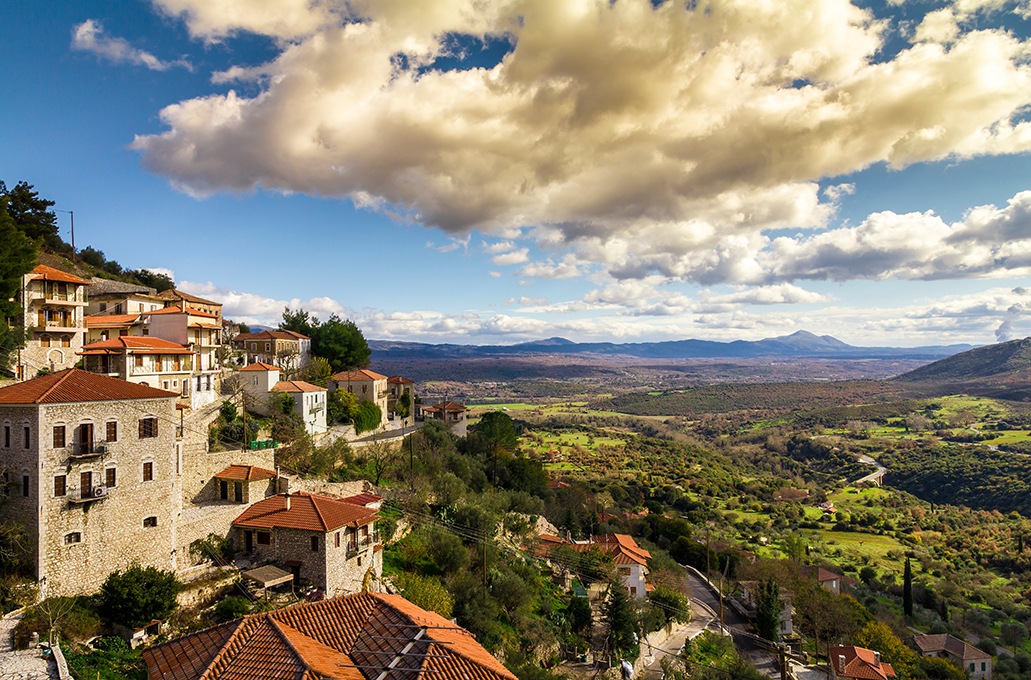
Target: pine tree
17 257
907 590
621 622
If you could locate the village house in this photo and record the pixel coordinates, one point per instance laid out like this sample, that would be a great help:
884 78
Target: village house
101 474
398 386
976 663
750 600
364 636
117 297
287 350
52 303
631 560
365 385
177 298
826 578
260 382
858 663
328 541
449 412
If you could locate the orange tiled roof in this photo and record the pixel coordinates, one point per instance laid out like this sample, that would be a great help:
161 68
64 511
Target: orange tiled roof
178 310
943 642
41 271
358 376
327 640
259 366
176 294
296 335
398 379
363 499
76 385
308 512
135 344
623 548
444 407
296 386
859 663
270 335
819 573
247 473
109 320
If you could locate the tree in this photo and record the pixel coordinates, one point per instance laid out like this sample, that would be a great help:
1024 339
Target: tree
138 595
907 589
878 637
367 416
497 428
17 257
579 616
299 322
674 606
30 213
767 610
793 545
1013 634
342 343
426 592
621 622
317 372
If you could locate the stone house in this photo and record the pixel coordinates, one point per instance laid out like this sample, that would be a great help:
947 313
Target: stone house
117 297
288 350
858 663
826 578
328 541
749 601
52 303
364 636
397 386
451 413
631 560
975 663
100 473
177 298
365 385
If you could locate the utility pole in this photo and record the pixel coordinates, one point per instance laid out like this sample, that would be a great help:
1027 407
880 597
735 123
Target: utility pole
72 214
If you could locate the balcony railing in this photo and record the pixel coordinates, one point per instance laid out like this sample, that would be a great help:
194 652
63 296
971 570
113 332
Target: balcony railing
86 450
70 323
94 493
57 298
362 544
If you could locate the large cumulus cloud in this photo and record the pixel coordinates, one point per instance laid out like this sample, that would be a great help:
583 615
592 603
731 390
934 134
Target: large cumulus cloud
649 139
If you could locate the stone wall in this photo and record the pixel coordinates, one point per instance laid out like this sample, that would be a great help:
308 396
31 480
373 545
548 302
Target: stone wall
332 489
16 462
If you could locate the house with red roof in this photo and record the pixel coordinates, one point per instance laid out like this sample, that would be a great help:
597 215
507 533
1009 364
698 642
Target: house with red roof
52 303
858 663
631 560
455 415
977 664
363 636
261 382
289 351
397 387
328 541
365 385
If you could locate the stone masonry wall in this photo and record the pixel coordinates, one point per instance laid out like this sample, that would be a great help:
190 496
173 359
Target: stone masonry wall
17 461
133 522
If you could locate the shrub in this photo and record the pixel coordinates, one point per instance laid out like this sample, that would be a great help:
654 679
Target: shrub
232 608
138 595
69 617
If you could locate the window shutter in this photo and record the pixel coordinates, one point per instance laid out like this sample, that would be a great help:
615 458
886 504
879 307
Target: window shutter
142 426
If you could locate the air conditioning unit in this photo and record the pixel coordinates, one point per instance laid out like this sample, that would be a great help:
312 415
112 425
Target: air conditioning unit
100 448
99 491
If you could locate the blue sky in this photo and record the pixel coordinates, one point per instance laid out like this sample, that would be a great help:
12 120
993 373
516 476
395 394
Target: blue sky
454 172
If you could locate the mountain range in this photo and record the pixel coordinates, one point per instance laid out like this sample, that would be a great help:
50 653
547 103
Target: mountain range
798 345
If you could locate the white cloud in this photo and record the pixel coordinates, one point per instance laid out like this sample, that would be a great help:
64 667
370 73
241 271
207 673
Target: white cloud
161 270
495 275
89 36
499 247
514 257
646 139
257 309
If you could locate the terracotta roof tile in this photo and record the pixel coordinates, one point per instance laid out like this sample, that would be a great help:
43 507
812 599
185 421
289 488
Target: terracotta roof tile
76 385
358 376
41 271
308 512
444 406
248 473
819 573
948 643
396 379
178 310
295 386
136 344
859 663
270 335
363 499
102 320
259 366
176 294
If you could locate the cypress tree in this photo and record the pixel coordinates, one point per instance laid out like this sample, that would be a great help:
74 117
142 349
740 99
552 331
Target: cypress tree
767 610
907 590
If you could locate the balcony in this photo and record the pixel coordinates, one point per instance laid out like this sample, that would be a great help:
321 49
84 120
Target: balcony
68 325
80 496
51 298
88 450
362 545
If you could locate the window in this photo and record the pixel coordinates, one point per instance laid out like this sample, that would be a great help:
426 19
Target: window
238 491
264 538
112 431
66 341
103 306
148 471
146 330
25 485
338 539
982 666
27 436
58 436
72 538
148 428
7 436
267 346
223 489
314 543
123 332
44 340
86 485
110 477
137 360
971 667
359 561
60 485
254 347
150 522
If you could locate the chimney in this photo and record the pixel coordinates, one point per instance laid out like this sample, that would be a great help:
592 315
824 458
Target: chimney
286 498
877 658
841 663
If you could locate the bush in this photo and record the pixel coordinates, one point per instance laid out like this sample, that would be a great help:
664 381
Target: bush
426 592
68 617
138 596
367 416
232 608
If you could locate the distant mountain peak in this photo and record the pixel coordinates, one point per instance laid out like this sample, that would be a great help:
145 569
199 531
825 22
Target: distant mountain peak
549 342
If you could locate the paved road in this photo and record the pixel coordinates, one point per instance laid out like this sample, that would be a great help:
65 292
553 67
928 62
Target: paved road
874 477
765 661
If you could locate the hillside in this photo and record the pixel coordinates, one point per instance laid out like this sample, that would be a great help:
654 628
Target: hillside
1000 370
